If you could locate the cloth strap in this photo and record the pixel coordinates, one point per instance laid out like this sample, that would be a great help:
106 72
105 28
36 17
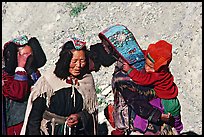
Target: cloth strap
58 119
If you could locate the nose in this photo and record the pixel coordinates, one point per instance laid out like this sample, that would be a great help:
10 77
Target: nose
78 64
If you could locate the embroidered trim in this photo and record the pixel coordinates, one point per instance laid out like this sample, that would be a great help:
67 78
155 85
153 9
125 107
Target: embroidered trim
149 57
34 76
20 77
129 70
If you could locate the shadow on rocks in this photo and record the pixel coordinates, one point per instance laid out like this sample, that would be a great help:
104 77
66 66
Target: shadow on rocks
102 129
189 133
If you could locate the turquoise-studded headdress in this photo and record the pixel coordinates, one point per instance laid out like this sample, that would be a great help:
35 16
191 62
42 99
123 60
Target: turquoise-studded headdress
124 44
78 43
21 40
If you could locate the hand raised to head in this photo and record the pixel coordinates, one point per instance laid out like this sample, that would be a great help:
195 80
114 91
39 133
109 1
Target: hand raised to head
22 58
126 66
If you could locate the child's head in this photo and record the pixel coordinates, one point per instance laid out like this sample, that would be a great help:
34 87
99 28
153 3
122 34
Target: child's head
158 55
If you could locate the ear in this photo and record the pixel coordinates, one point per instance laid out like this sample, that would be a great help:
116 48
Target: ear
10 57
38 53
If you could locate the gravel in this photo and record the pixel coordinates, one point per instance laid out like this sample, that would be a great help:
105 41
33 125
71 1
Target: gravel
180 23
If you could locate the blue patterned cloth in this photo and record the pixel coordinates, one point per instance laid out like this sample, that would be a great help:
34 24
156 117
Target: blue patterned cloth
123 41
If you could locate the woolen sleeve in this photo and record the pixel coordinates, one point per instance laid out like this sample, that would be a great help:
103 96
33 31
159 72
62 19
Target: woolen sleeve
15 87
36 116
87 122
142 78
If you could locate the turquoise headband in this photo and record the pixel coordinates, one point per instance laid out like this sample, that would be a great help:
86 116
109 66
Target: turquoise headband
21 40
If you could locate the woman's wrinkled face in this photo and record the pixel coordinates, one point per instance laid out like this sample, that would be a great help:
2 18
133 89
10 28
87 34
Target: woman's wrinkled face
77 63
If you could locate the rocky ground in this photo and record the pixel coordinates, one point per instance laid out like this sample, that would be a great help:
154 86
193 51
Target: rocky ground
180 23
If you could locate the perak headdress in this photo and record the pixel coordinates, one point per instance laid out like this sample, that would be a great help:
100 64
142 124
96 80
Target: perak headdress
78 43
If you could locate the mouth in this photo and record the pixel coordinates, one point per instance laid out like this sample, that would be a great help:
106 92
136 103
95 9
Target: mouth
77 71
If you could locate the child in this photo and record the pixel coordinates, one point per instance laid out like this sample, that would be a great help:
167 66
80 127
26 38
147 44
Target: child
158 57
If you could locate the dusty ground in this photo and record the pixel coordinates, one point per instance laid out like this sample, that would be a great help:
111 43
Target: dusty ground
179 23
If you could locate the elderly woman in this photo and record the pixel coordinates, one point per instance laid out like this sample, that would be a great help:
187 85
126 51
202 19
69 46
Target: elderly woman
64 101
22 57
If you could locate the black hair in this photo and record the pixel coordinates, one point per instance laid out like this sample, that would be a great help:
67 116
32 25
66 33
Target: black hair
10 57
65 56
100 56
38 53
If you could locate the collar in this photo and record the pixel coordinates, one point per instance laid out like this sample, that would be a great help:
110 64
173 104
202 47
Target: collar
72 81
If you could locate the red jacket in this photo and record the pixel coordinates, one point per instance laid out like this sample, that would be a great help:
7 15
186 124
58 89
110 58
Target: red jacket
163 82
15 89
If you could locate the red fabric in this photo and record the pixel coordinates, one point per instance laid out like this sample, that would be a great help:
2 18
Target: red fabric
15 89
109 114
163 82
144 51
117 132
161 52
70 80
15 130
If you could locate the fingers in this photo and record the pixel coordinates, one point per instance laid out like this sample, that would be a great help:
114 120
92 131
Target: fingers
72 120
22 58
169 114
72 124
125 63
164 117
126 66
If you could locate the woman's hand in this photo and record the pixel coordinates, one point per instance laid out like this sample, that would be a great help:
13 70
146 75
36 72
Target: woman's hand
23 54
22 58
165 117
72 120
168 118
